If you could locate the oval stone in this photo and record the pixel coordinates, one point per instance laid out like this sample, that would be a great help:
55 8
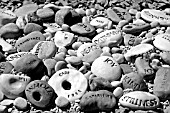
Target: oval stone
108 36
107 68
27 42
140 100
156 15
46 14
88 52
99 22
138 49
162 41
44 49
30 27
161 83
5 67
133 81
84 29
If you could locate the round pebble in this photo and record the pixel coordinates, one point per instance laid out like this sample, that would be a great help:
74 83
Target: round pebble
20 103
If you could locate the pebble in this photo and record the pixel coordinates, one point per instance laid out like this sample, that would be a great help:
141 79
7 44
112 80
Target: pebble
84 29
73 60
162 41
113 16
3 109
31 65
60 65
10 31
99 83
46 14
118 92
161 83
26 9
13 86
140 100
63 16
99 22
104 38
27 42
155 15
106 67
63 38
44 49
40 93
88 52
50 64
143 67
31 27
131 40
134 81
165 57
7 102
21 22
62 102
69 83
5 67
5 45
20 103
97 100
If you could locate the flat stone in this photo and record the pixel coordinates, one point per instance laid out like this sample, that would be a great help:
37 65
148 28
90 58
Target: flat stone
26 9
125 68
5 45
143 67
63 38
140 100
69 83
31 65
108 36
99 22
12 85
107 68
134 81
27 42
162 41
88 52
156 15
161 83
165 56
84 29
10 31
97 100
113 16
46 14
73 60
30 27
40 94
7 16
44 49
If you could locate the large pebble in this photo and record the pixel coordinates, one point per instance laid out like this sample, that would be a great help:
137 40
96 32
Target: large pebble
98 100
108 36
69 83
84 29
143 67
113 16
7 16
162 41
40 93
63 16
165 57
10 31
63 38
156 15
99 22
161 83
27 42
134 81
44 49
26 9
30 27
46 14
12 85
31 65
88 52
140 100
107 68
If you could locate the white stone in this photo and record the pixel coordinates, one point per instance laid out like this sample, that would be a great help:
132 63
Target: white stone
99 22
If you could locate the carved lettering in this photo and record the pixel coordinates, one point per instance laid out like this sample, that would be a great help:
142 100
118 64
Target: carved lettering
89 49
110 61
63 73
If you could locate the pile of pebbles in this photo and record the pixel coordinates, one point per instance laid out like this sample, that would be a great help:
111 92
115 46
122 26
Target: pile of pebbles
77 56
